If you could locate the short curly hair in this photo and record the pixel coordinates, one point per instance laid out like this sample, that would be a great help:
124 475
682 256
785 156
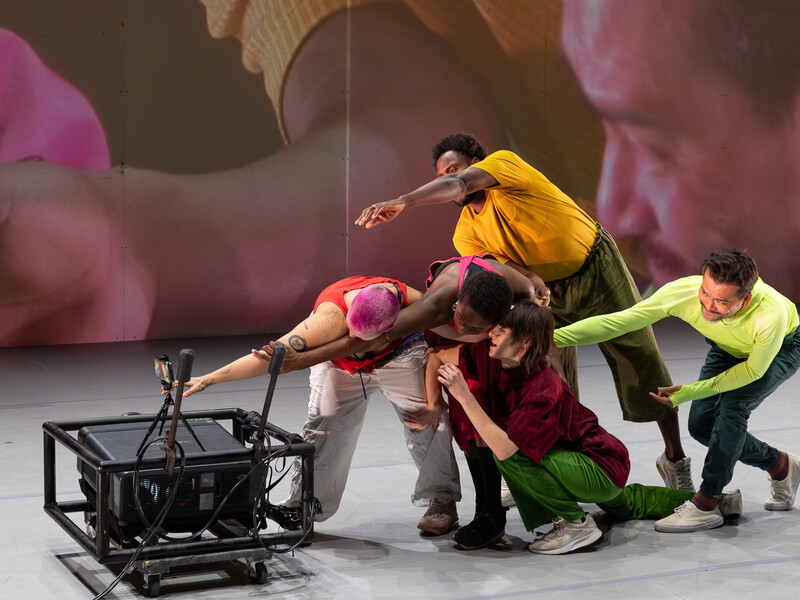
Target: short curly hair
487 293
461 142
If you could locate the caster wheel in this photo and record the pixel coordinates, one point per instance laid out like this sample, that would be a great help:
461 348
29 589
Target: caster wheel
258 573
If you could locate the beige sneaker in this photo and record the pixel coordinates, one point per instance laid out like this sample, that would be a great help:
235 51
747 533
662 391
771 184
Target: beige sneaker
687 517
567 536
440 518
676 475
784 492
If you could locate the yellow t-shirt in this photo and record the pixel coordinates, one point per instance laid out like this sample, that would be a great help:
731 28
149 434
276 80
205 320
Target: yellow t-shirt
527 220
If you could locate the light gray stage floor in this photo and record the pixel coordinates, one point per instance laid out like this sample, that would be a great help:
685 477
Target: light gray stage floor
371 547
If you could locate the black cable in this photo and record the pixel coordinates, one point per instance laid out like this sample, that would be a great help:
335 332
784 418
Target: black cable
160 518
154 529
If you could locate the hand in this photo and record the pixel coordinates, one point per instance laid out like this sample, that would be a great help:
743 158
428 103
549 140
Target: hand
542 296
292 361
195 384
453 378
421 419
664 394
380 213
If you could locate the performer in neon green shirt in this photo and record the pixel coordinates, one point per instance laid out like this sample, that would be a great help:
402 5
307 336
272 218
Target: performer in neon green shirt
755 346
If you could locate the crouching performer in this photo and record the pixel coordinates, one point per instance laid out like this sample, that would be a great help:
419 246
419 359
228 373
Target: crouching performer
550 449
363 307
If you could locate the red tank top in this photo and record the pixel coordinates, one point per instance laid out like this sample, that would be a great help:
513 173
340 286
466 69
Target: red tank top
335 293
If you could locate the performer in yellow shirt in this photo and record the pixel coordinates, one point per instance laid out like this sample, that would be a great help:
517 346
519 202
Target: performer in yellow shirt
515 213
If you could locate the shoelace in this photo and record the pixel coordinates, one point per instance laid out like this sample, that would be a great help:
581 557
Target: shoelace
684 508
683 475
559 524
437 507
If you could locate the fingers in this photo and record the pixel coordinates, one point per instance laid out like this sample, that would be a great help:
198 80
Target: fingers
194 385
367 215
413 424
260 354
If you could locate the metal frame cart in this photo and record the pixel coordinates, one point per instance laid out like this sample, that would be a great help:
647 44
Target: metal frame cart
227 540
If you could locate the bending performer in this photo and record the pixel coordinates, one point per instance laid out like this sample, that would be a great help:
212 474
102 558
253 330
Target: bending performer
366 307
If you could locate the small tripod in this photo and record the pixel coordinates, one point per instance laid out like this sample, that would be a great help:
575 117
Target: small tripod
164 369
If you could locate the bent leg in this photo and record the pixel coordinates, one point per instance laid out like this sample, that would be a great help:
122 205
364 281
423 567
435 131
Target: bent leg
336 410
553 487
402 381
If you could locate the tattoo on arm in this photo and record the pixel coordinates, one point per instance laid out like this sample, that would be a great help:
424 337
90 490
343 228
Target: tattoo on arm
297 343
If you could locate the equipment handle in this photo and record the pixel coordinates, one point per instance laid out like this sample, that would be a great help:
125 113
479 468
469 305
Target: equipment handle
184 374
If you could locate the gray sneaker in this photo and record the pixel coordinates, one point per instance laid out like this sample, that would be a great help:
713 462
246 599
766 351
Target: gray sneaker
676 475
567 536
784 491
440 518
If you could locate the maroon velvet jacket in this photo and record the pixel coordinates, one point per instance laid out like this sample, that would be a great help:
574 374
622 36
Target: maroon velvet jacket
538 411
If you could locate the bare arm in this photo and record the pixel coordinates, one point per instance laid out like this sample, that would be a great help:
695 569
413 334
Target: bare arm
242 368
450 188
542 293
326 324
437 357
252 203
495 438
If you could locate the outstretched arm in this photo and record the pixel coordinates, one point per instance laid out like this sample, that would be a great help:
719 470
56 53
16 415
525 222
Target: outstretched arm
242 368
450 188
325 325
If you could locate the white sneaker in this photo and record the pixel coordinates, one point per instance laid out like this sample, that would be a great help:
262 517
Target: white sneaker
676 475
567 536
785 491
730 505
687 517
505 495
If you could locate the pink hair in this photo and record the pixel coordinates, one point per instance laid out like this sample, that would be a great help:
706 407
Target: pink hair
373 310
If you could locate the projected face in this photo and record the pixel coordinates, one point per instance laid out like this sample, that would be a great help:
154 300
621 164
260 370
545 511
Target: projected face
690 163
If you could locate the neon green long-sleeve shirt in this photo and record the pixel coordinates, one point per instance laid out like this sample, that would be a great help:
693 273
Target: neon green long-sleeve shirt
754 333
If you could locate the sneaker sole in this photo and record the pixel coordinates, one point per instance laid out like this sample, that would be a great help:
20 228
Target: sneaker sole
491 542
663 476
572 546
432 531
718 522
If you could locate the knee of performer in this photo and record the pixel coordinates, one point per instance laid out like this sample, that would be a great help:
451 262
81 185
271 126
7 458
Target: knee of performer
734 417
700 428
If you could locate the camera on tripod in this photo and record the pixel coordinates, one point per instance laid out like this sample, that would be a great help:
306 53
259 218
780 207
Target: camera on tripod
164 371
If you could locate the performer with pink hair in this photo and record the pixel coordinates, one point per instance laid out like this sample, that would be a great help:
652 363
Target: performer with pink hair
366 308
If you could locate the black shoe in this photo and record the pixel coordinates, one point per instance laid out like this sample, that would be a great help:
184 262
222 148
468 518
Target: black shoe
484 530
290 518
